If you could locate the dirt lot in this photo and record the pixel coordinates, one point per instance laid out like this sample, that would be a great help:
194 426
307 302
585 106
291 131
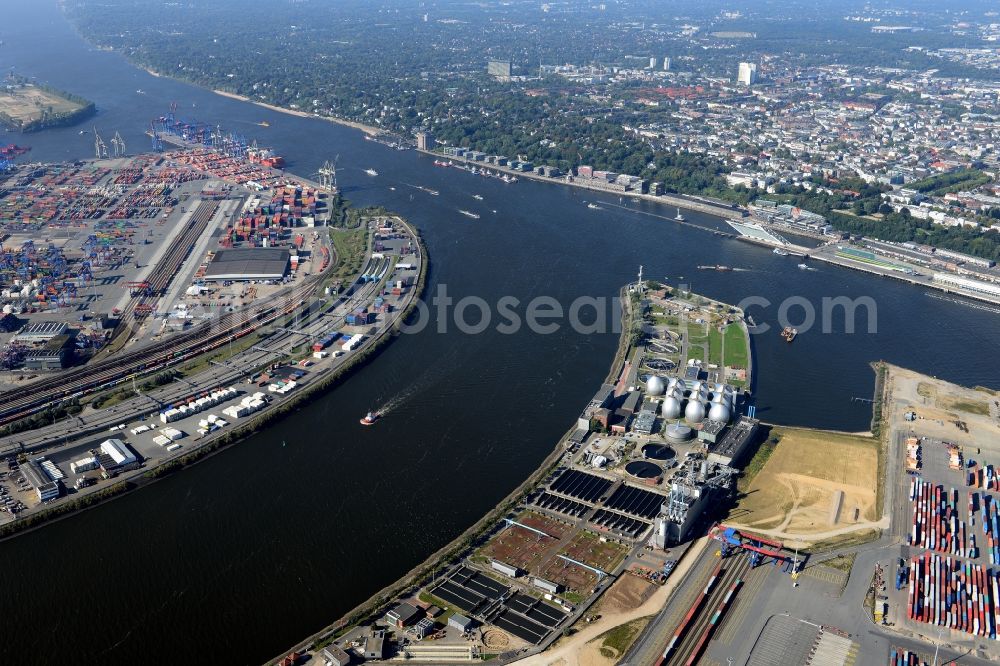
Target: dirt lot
26 104
941 406
628 593
814 483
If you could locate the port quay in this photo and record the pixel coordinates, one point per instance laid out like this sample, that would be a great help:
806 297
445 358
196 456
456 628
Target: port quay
232 299
616 502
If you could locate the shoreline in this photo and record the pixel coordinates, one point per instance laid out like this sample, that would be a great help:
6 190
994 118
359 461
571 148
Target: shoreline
126 484
367 129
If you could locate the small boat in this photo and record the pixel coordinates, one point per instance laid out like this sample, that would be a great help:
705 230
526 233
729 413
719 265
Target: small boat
593 206
789 333
781 253
392 188
83 131
679 217
477 196
263 123
803 267
140 91
441 163
371 172
370 418
469 213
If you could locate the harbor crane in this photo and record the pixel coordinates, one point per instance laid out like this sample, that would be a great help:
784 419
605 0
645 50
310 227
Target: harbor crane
118 145
100 148
328 175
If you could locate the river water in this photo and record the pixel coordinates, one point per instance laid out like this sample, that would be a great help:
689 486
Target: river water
250 551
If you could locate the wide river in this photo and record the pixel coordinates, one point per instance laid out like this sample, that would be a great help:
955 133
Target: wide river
243 555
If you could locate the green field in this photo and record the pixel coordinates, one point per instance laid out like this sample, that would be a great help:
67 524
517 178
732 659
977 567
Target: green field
714 346
737 354
350 248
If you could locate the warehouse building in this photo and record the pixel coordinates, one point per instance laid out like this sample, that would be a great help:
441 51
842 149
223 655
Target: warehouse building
402 615
115 457
44 486
249 263
460 622
334 656
39 333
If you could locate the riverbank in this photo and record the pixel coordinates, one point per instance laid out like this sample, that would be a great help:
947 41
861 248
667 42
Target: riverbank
323 378
367 129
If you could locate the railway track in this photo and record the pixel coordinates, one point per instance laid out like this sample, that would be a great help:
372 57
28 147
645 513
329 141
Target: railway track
19 403
690 645
161 275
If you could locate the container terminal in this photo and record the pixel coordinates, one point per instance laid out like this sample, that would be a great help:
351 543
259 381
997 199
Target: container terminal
158 307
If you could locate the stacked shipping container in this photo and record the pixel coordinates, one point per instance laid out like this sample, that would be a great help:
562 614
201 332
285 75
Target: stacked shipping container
935 519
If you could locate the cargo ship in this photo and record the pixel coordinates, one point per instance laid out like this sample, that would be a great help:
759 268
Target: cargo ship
468 213
370 418
789 333
12 150
265 157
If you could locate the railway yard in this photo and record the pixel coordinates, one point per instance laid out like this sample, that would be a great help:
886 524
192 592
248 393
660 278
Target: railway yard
184 315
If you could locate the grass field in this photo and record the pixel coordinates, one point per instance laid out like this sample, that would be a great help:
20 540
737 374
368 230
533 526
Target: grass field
714 346
737 354
808 472
350 247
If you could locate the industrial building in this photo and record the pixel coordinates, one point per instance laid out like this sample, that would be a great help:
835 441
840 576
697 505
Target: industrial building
460 622
695 485
39 333
334 656
249 263
115 457
402 615
731 448
51 356
46 487
505 569
965 284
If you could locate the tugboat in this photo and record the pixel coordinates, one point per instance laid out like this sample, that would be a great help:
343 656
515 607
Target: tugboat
370 418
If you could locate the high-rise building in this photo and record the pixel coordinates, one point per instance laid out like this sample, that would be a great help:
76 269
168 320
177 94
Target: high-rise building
425 140
748 73
499 68
652 63
666 64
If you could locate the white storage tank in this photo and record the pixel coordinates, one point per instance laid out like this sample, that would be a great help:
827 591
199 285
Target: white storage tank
671 408
694 412
655 386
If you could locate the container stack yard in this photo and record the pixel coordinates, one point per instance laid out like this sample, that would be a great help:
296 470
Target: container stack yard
936 525
987 505
949 593
983 476
266 224
900 657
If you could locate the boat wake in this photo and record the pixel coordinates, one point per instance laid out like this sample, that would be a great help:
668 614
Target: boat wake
419 385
